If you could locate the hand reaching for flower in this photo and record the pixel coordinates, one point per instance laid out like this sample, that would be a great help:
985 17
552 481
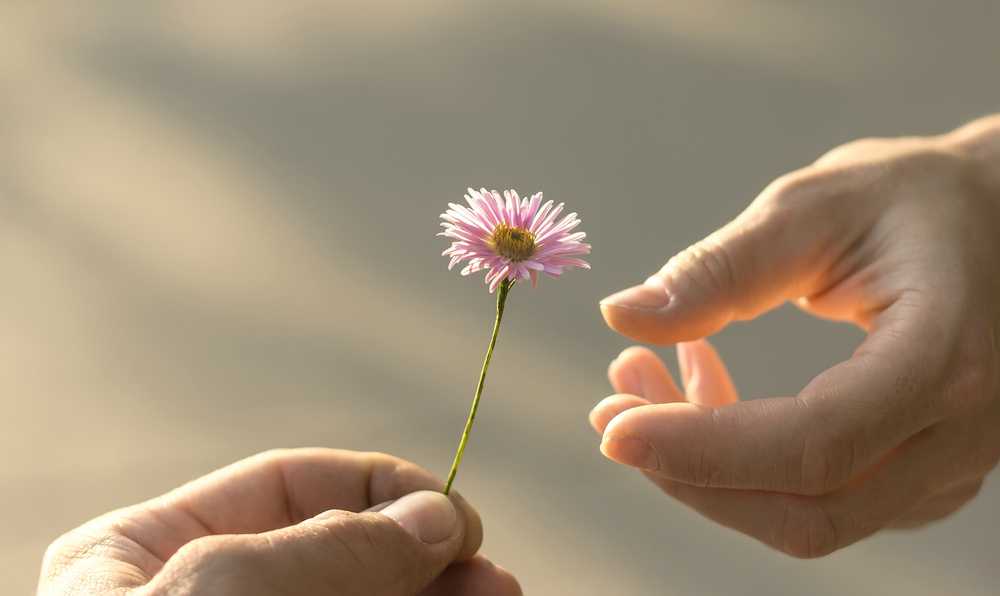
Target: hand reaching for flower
898 236
285 522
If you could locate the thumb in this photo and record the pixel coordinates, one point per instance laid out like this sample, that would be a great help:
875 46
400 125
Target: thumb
778 249
394 551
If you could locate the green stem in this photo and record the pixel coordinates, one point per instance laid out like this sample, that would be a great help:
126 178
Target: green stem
502 292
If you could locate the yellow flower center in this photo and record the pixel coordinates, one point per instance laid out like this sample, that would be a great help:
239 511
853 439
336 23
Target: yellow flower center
517 244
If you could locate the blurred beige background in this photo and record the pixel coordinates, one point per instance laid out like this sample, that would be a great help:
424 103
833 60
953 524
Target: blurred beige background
217 231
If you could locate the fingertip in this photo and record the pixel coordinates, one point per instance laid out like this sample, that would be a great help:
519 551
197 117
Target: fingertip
637 324
621 423
473 523
595 418
505 584
706 378
640 371
653 419
648 297
622 444
649 313
428 516
611 367
635 436
630 451
476 577
637 353
611 406
497 579
622 374
393 478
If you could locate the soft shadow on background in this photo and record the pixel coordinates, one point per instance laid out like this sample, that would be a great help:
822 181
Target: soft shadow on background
217 231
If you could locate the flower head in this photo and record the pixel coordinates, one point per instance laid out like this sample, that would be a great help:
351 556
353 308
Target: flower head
512 238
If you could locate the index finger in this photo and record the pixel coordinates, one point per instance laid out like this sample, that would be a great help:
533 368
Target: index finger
276 489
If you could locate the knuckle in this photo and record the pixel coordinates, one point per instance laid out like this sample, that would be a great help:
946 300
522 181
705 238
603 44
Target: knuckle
273 456
826 463
213 552
360 540
854 149
917 159
704 467
61 547
94 539
922 156
705 471
794 188
386 461
706 263
404 470
813 193
392 476
355 536
222 565
378 455
809 530
64 552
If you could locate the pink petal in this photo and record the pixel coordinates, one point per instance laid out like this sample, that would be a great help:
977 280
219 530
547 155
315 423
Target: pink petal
539 216
565 225
501 274
528 214
509 208
467 216
499 206
515 208
487 206
544 225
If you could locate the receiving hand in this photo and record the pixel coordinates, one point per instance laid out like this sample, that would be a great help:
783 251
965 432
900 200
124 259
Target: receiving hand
898 236
285 522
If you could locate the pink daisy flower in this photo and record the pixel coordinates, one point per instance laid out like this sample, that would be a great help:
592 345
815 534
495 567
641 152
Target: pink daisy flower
512 238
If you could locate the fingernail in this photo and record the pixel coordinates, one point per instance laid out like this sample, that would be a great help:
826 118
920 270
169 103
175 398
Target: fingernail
631 451
380 506
644 297
426 515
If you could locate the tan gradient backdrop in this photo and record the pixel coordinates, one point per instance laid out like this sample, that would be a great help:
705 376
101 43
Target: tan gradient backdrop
217 231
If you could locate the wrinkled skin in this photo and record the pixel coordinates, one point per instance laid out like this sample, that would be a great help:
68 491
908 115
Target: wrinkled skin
900 237
282 522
